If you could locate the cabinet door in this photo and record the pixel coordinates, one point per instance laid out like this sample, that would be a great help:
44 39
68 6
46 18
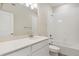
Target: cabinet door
23 52
39 45
42 52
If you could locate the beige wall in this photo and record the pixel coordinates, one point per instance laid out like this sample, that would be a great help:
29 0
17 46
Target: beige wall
42 19
22 18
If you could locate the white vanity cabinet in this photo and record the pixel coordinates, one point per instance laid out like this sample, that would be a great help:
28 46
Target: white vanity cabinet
44 51
39 48
21 52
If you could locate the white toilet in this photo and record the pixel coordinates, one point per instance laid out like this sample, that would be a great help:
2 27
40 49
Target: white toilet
54 50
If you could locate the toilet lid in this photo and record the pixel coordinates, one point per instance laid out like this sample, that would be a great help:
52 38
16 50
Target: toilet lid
54 48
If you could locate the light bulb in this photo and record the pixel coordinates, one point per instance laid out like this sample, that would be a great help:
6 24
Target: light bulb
27 4
35 5
32 7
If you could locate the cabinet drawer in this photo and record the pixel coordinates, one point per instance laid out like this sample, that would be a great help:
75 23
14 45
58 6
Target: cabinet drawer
39 45
22 52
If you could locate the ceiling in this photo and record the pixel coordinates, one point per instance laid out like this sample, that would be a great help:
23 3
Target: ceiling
53 4
56 4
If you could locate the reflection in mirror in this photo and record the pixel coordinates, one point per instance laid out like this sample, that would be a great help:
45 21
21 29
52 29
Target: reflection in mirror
15 21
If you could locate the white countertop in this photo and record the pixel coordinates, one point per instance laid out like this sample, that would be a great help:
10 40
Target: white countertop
9 46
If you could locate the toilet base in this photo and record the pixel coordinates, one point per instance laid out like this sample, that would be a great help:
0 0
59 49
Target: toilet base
53 53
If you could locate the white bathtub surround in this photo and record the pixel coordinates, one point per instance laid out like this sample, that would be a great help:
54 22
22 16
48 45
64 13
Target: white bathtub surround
37 45
64 23
68 49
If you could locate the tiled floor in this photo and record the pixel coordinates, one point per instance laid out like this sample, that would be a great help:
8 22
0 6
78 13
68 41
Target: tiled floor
55 54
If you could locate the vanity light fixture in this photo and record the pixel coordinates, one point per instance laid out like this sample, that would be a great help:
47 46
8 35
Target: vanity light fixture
31 5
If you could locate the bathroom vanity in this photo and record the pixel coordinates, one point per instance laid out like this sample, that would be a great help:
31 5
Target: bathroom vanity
36 46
